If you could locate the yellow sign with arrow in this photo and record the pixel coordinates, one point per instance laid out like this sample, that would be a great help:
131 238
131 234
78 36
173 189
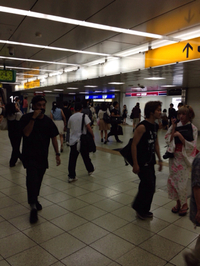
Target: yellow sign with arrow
178 52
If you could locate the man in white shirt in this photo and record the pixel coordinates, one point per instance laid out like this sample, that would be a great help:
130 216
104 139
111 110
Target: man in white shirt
74 124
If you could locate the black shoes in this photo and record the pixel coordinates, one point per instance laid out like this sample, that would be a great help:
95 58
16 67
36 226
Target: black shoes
33 216
119 141
38 206
168 155
144 216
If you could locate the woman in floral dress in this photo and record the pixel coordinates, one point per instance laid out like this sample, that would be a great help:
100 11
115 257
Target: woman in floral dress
181 139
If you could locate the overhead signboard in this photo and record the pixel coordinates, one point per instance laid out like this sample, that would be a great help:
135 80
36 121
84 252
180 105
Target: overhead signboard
144 94
32 84
102 96
173 53
7 75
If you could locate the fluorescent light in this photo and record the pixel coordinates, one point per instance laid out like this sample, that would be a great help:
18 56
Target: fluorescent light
70 69
188 34
72 93
160 43
58 89
43 76
96 62
76 22
116 83
154 78
56 73
37 61
91 86
47 91
114 90
168 86
71 88
27 68
98 91
83 92
52 48
135 50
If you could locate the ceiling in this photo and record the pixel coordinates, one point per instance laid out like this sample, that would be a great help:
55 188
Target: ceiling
155 16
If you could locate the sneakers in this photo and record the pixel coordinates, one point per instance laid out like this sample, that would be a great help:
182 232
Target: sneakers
119 141
33 216
70 180
90 173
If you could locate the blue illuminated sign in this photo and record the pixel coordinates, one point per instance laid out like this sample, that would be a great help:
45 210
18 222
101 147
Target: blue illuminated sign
102 96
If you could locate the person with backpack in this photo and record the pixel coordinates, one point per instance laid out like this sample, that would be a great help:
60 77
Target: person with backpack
136 115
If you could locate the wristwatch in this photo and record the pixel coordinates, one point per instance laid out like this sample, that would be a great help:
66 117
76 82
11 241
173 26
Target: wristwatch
57 154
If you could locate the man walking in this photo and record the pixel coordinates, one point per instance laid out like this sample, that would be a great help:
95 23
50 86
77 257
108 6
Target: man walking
136 115
144 146
37 130
74 124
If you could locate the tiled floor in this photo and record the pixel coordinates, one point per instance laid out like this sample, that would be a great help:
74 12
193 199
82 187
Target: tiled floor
89 222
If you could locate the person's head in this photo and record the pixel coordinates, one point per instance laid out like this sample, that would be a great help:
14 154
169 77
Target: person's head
85 104
171 105
180 105
164 110
17 99
186 114
103 107
39 103
78 107
138 105
65 103
25 97
152 108
10 109
54 106
116 105
124 106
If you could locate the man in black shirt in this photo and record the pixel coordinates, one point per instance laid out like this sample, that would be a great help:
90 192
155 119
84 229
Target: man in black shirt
171 113
115 113
37 130
144 146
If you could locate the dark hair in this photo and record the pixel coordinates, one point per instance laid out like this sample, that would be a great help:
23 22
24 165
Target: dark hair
150 107
65 103
171 104
103 107
10 109
165 111
84 104
78 106
54 106
180 104
38 98
115 103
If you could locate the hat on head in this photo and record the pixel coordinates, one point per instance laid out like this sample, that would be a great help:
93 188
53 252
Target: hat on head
38 98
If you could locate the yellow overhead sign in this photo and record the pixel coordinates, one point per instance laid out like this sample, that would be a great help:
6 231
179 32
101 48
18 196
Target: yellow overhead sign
32 84
178 52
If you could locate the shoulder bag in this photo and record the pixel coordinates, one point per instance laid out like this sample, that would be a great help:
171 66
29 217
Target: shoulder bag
87 141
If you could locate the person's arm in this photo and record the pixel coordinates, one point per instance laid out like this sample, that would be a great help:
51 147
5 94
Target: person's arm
113 114
64 118
55 145
51 116
140 130
90 130
179 135
29 127
157 150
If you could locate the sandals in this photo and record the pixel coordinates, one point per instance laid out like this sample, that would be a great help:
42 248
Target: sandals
175 209
183 212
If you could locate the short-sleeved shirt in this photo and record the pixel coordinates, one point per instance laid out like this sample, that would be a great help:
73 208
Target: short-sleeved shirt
146 145
36 145
57 115
195 181
114 111
75 123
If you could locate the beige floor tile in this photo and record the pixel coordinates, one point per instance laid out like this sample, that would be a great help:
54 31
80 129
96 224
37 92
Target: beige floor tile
91 186
7 202
126 213
162 247
86 257
88 233
108 205
114 264
178 260
76 191
43 232
91 197
68 221
14 211
58 264
47 190
185 222
62 245
139 257
110 222
107 192
51 212
57 197
22 222
123 198
90 212
32 257
166 215
159 200
72 204
4 263
154 225
61 185
112 246
178 235
14 244
133 233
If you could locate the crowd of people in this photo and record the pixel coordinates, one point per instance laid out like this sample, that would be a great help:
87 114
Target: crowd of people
75 119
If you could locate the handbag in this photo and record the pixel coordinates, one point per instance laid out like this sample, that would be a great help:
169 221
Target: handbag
106 118
87 141
126 152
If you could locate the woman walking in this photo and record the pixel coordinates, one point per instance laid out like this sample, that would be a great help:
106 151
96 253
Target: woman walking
103 126
58 117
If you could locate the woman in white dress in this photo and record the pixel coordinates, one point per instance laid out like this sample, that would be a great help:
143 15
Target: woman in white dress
103 126
182 140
